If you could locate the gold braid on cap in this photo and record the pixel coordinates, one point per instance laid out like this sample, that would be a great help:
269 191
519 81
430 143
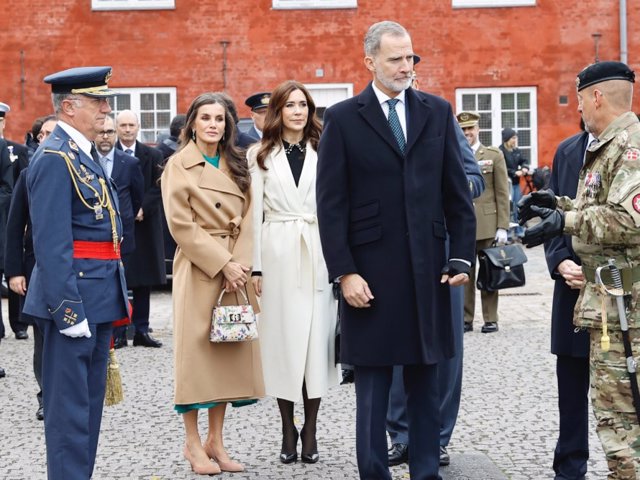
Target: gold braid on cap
104 200
98 89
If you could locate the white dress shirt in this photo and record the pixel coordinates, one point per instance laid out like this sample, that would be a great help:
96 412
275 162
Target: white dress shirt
400 107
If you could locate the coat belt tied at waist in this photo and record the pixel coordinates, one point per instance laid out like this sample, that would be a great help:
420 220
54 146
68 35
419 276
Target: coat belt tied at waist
232 231
302 221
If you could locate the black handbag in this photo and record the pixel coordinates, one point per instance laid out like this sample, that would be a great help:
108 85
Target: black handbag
501 267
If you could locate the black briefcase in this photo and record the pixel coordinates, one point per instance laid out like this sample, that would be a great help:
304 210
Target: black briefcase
501 267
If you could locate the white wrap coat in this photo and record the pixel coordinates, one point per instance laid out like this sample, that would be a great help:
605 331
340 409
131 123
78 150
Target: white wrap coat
298 319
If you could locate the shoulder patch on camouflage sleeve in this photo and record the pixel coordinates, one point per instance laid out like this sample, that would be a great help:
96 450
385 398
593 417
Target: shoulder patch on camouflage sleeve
632 154
632 205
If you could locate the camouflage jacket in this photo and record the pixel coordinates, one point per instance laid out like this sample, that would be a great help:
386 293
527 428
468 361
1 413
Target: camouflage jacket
604 219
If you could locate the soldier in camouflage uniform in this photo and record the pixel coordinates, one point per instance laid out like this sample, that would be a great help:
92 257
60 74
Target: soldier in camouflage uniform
604 221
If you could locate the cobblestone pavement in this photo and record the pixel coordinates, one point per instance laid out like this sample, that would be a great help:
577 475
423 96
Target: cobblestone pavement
508 414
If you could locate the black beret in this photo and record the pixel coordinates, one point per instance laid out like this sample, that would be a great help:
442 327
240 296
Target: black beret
90 81
603 71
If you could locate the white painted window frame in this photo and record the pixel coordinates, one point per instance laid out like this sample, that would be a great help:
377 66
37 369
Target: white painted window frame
104 5
492 3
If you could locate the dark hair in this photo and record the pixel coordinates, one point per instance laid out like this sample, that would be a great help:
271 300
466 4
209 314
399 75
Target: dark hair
177 124
273 125
236 160
38 122
231 106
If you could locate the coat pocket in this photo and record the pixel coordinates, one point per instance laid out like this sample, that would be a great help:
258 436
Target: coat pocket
363 212
365 235
87 268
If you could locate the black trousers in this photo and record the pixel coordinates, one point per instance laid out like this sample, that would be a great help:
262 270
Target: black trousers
572 449
423 413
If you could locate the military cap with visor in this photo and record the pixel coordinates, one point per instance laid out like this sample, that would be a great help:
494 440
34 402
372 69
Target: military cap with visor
89 81
4 109
602 72
467 119
258 101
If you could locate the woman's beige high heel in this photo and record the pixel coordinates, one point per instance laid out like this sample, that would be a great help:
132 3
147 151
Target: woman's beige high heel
225 465
208 468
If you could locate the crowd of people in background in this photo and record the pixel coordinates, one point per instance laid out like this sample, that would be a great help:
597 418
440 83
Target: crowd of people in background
276 216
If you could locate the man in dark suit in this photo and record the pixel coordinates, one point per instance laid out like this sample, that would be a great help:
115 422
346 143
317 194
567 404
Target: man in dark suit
169 145
125 172
145 265
571 347
390 177
19 159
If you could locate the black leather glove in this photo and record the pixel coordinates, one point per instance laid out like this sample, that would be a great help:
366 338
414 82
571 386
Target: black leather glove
551 226
542 198
454 267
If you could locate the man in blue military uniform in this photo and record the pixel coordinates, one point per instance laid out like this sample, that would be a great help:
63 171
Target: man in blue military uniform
258 103
77 287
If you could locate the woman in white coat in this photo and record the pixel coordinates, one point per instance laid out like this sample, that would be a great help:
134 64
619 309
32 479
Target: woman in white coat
297 323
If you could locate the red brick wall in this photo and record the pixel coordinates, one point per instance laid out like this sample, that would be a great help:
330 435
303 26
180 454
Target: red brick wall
543 46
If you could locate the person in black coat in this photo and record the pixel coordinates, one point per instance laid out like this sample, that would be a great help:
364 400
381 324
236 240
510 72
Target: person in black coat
382 211
4 160
570 346
18 160
145 266
19 263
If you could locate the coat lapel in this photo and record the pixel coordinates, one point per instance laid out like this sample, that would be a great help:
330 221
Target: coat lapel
418 112
211 178
372 113
283 171
308 173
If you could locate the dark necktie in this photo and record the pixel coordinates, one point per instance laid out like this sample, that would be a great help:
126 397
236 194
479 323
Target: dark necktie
128 151
394 123
94 154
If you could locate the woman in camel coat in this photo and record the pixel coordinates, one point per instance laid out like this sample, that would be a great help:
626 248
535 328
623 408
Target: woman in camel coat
297 323
206 197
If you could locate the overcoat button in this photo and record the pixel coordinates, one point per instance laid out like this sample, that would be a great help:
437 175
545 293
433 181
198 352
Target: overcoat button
81 274
223 236
218 205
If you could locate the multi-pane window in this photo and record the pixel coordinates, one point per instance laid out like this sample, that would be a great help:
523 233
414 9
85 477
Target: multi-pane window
155 108
491 3
501 108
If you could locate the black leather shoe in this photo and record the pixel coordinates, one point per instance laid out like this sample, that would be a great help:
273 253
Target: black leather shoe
489 327
40 413
145 340
468 327
289 457
2 373
347 376
398 454
444 457
22 335
120 342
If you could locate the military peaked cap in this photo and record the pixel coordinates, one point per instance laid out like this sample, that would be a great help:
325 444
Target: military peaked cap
90 81
4 109
468 119
258 101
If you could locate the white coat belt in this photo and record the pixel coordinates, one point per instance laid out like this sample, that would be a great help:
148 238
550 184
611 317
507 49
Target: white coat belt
302 222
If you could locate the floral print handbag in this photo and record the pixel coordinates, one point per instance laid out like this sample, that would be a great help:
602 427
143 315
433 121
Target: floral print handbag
233 323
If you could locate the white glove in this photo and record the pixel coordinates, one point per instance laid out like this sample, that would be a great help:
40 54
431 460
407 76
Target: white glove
78 330
501 236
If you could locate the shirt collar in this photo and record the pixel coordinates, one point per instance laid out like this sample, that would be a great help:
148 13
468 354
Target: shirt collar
132 147
108 155
475 147
383 97
83 143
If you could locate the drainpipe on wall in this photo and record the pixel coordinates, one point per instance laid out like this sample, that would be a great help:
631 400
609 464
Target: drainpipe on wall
623 31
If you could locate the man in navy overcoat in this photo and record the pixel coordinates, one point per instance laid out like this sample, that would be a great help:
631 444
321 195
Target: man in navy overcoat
390 186
570 346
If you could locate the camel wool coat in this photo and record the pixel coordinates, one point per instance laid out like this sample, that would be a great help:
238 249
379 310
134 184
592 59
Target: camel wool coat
210 220
298 312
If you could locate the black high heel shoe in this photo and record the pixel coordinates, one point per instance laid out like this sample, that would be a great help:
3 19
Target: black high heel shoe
287 457
312 456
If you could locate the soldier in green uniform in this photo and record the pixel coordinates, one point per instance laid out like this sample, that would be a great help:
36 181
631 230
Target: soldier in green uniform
492 217
604 221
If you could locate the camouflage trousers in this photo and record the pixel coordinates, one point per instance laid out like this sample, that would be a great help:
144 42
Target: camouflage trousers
617 423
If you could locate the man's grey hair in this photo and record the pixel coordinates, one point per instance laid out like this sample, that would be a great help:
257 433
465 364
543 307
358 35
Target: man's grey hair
376 31
58 98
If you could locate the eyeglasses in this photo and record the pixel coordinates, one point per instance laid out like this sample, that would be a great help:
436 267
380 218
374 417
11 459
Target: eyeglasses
107 133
